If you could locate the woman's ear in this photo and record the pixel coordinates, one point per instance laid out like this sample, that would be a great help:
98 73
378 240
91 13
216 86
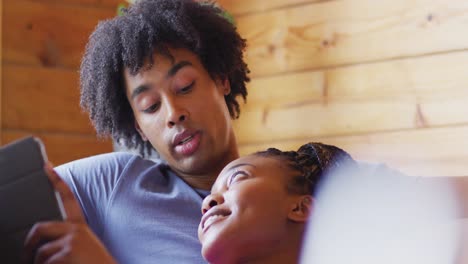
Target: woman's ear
142 135
301 208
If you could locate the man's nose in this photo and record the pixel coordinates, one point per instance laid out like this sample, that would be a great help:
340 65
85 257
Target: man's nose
176 113
211 201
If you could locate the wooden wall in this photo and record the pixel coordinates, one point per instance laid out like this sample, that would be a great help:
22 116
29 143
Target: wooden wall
42 45
385 80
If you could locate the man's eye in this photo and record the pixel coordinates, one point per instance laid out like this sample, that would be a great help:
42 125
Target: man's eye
187 88
236 177
153 108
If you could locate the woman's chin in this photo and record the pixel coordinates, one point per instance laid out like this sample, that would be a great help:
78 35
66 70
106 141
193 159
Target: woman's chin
215 249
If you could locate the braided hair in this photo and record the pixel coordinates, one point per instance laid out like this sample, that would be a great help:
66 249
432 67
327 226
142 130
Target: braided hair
313 161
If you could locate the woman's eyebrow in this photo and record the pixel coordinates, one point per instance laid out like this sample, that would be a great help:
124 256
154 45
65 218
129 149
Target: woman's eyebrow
225 177
240 165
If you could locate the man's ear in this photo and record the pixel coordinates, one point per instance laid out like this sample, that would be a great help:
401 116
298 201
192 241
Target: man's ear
142 135
301 209
225 85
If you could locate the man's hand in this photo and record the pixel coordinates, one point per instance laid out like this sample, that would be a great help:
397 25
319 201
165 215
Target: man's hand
70 241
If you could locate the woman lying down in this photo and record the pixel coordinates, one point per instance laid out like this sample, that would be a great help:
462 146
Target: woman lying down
259 205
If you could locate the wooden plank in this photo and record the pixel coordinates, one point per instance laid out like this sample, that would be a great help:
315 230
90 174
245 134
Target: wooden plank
285 89
393 95
45 100
415 77
46 34
331 33
62 148
438 75
314 119
243 7
423 152
93 3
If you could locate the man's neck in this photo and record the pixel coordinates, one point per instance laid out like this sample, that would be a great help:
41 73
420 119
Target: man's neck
201 182
207 177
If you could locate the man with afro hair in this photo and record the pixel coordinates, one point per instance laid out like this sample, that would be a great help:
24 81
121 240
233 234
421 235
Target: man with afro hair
166 75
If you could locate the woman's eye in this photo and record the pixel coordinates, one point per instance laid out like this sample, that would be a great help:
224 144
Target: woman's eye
153 108
187 88
236 177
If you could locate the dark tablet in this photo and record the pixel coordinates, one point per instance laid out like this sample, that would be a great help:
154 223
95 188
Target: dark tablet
26 195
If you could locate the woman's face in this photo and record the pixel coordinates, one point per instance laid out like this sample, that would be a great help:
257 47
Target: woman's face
247 210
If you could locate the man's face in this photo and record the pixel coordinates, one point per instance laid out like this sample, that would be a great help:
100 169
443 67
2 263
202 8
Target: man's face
181 110
247 210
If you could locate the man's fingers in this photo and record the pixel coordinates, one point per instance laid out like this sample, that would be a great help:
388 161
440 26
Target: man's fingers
48 251
43 232
59 257
70 204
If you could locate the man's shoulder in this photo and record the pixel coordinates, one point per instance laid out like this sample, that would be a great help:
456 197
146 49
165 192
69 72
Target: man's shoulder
101 159
106 161
108 167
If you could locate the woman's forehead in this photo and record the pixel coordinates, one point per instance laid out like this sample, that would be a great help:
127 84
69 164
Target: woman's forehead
253 161
259 164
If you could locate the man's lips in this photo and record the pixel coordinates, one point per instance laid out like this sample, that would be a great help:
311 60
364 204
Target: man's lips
183 137
214 215
187 143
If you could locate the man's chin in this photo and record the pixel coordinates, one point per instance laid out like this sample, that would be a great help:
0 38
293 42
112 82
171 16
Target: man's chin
195 165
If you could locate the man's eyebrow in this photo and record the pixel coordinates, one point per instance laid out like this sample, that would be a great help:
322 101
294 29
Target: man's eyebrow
139 90
174 69
240 165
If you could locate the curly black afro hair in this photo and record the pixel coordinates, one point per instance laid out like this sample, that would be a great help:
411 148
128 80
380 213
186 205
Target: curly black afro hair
129 40
313 161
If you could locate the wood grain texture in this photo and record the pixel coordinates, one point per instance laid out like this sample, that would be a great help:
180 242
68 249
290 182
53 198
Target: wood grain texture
62 148
242 7
393 95
47 34
331 33
422 152
309 120
421 77
91 3
41 99
286 89
405 78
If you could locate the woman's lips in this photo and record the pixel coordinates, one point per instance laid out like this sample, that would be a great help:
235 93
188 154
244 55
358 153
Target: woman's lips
214 215
211 220
188 145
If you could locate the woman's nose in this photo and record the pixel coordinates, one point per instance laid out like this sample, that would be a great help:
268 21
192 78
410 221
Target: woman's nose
211 201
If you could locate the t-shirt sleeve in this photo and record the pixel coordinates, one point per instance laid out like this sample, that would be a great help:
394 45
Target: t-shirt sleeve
93 180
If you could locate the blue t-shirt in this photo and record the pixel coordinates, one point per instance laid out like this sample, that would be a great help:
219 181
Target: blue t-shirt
140 209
